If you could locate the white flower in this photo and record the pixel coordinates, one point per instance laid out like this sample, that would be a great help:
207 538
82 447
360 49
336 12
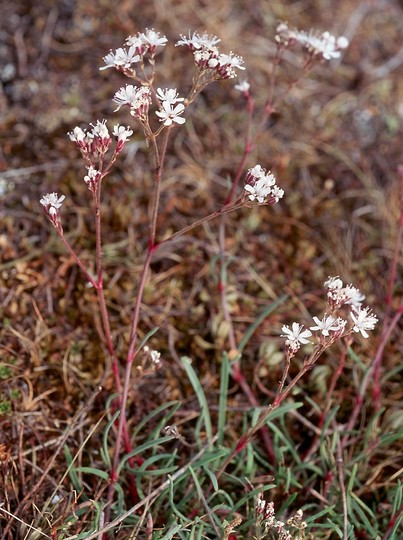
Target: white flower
52 203
126 95
136 41
355 298
100 130
257 171
333 283
171 114
227 63
363 320
326 45
77 135
122 133
260 188
121 58
153 39
296 333
198 42
170 95
277 193
326 325
92 177
155 357
295 337
139 99
242 86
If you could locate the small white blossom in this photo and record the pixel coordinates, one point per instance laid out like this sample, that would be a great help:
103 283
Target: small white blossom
100 130
139 99
363 320
326 325
296 333
121 133
260 185
355 298
277 193
170 114
153 39
227 64
92 177
77 135
155 357
325 45
197 41
126 95
260 190
170 95
52 203
333 283
121 58
242 86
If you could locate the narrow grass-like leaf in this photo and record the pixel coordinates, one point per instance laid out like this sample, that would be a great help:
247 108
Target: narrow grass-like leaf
173 504
161 409
222 404
311 519
250 497
212 477
140 449
360 508
147 337
397 499
201 397
73 474
104 448
395 532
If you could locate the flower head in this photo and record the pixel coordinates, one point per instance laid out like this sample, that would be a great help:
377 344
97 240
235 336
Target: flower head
121 59
261 185
243 87
122 133
152 40
363 320
338 294
197 41
138 99
170 95
52 203
170 114
324 45
92 178
328 324
295 336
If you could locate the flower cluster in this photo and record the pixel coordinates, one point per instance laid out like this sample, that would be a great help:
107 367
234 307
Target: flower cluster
331 327
138 46
338 294
324 45
261 185
51 203
207 56
171 107
138 99
97 141
267 518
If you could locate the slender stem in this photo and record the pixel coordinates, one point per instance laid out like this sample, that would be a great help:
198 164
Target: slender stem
121 432
223 210
77 259
157 190
340 473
